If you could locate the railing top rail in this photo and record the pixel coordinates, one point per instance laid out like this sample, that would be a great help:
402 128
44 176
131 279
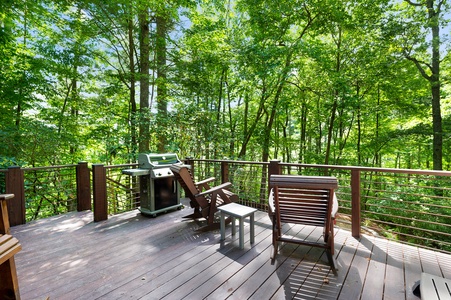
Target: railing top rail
338 167
230 161
120 166
42 168
373 169
333 167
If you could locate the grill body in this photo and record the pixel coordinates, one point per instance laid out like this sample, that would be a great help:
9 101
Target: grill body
159 190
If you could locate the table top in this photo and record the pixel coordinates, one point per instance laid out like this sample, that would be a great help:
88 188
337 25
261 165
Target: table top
237 210
434 287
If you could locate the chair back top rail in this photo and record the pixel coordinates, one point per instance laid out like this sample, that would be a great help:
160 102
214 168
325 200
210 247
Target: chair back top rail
303 199
305 182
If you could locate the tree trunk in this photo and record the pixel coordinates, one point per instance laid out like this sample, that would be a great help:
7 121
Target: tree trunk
435 88
248 133
162 97
132 100
335 103
144 47
433 23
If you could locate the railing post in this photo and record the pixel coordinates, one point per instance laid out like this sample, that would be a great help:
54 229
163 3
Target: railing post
224 171
355 203
274 168
99 192
83 187
189 161
15 185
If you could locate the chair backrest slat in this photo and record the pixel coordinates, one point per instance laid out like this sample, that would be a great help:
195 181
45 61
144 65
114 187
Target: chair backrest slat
303 200
186 180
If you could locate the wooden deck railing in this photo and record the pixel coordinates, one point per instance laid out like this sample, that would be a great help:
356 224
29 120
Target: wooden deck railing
46 191
413 206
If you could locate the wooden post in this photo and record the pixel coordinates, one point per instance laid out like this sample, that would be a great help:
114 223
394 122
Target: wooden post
355 203
15 185
189 161
224 171
274 168
83 187
9 285
99 192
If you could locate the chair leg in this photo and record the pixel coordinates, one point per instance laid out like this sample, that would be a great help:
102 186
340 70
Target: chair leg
275 245
331 238
331 259
9 285
195 215
274 252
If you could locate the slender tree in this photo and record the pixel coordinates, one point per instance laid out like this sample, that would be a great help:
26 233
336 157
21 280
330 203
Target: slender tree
429 68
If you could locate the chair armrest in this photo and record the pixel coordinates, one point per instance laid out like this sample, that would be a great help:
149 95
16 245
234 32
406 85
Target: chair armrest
334 206
272 208
4 221
203 185
215 189
6 196
205 181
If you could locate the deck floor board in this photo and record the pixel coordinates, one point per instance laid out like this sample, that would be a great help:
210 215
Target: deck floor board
131 256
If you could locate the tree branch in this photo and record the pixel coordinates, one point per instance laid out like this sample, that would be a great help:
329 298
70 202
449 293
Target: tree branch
419 67
413 3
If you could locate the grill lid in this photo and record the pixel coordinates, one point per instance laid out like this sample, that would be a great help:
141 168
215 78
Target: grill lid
157 160
155 165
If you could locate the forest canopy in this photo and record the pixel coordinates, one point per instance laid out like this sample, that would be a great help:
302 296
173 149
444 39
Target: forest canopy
362 83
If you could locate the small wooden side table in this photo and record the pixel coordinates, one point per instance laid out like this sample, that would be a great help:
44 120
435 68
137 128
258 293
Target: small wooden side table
239 211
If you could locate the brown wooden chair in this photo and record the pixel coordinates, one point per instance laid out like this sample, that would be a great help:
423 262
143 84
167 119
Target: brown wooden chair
305 200
203 198
9 246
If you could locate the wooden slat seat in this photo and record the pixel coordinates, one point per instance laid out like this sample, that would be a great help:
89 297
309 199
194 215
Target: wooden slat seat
9 246
306 200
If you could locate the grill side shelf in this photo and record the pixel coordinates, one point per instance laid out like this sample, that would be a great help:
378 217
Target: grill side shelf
136 172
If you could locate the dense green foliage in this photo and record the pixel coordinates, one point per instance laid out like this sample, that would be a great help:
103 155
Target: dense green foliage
334 82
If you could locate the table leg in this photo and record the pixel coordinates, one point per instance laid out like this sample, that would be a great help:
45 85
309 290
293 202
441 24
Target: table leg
222 226
233 226
242 233
252 228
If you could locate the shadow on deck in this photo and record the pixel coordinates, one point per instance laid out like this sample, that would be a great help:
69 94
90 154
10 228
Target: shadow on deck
131 256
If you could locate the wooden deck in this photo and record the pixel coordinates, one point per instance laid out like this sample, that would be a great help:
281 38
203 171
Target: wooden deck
131 256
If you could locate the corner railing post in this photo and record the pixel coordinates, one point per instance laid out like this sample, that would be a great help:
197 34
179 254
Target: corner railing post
224 171
274 168
189 161
355 203
99 192
15 185
83 187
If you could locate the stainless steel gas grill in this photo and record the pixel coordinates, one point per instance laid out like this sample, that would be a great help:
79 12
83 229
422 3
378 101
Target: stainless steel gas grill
159 190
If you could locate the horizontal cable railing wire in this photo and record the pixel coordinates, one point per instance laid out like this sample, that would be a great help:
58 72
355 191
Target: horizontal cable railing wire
122 189
412 208
49 191
409 206
247 178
